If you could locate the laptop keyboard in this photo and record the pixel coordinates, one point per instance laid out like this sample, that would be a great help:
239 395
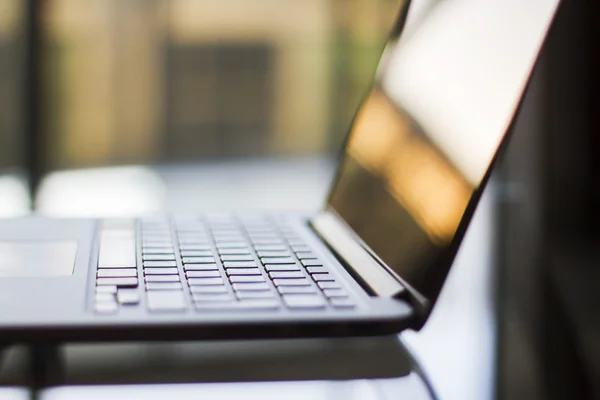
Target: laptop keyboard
227 264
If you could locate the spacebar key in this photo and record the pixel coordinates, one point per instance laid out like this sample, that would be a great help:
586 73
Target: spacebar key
166 301
250 305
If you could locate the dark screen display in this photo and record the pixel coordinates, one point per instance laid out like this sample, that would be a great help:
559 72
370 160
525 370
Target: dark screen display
423 140
397 190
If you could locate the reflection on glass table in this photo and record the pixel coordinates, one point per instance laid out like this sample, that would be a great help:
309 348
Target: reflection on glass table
409 387
14 393
14 196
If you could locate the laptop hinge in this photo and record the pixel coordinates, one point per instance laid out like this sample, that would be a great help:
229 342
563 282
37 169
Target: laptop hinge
343 242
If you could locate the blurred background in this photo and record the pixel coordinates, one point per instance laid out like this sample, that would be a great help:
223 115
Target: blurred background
149 105
148 81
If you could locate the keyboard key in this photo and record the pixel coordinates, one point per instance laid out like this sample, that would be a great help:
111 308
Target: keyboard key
159 264
231 245
291 282
254 295
208 289
297 290
194 247
329 285
118 282
198 260
241 279
296 242
272 254
164 286
158 257
191 229
317 270
205 281
195 228
237 257
161 271
155 229
128 296
225 229
106 307
228 238
303 302
105 297
300 249
282 267
306 255
250 286
168 250
193 241
262 233
335 293
168 300
196 253
286 274
106 289
278 260
323 277
243 271
270 242
156 243
264 247
192 235
164 236
312 263
162 278
240 264
235 251
203 274
156 237
265 238
117 248
337 302
201 267
212 297
117 273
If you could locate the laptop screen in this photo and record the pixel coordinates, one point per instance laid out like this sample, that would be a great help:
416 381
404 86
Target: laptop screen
426 134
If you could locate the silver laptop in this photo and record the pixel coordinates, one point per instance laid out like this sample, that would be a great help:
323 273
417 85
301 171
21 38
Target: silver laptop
416 160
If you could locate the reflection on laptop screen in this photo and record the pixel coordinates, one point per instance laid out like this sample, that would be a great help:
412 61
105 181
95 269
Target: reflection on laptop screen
426 134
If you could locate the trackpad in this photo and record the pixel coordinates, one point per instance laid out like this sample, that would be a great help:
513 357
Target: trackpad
37 258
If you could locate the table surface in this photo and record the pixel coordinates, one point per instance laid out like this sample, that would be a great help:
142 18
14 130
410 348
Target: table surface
455 348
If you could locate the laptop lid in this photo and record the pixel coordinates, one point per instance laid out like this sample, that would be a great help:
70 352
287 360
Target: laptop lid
422 144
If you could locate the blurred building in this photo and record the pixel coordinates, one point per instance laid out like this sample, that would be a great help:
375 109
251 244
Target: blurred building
136 81
10 78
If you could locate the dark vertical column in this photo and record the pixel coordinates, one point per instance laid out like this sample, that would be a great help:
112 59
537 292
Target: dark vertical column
46 368
519 243
570 206
567 156
32 107
593 49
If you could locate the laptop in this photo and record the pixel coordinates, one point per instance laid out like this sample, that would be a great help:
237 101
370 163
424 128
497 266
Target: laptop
417 157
